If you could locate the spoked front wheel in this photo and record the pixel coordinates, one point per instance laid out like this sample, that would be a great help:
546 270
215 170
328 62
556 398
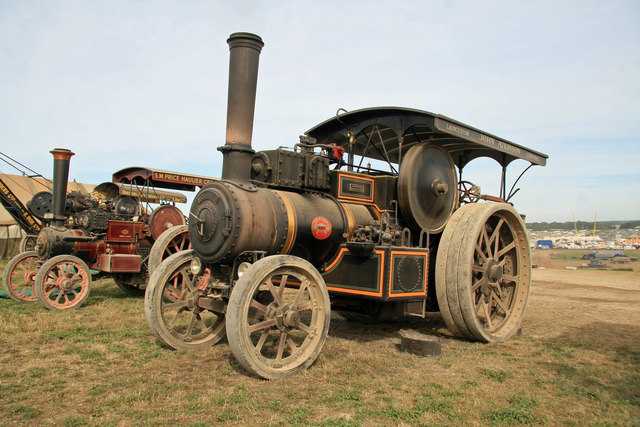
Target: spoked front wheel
178 307
63 282
282 335
483 272
19 276
28 243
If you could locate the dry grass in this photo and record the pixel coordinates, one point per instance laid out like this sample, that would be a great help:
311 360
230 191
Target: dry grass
100 365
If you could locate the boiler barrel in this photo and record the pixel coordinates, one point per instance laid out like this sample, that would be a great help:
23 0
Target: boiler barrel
227 220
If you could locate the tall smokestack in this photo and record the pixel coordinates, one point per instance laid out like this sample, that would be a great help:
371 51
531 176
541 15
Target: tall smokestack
61 158
245 51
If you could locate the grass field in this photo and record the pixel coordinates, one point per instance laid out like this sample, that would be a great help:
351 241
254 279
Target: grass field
577 362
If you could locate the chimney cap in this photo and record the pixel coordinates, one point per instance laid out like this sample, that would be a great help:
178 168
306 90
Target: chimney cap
62 153
245 40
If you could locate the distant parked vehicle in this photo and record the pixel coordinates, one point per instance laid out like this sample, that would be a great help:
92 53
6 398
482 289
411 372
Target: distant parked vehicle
603 255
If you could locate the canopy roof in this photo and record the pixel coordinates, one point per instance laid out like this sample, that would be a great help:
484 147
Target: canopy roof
386 133
142 193
158 178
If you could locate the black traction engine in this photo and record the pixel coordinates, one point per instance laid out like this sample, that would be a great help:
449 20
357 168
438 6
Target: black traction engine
392 230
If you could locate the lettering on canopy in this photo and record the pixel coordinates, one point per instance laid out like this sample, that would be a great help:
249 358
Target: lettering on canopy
488 141
196 181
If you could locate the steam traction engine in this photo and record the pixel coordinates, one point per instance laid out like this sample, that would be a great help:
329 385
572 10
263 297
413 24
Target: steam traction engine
287 234
107 231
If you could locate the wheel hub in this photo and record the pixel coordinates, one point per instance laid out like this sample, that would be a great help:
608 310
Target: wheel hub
493 273
192 299
291 319
493 270
65 284
286 317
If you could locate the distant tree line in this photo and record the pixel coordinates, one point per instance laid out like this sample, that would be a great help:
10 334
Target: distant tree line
630 224
581 225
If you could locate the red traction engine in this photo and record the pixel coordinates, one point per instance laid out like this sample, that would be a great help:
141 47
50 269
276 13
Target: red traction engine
84 233
289 234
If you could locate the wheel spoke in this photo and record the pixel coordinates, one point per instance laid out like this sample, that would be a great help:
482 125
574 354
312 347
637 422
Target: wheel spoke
292 345
257 306
303 307
487 244
75 276
509 278
283 284
274 291
173 305
505 250
47 294
262 325
192 322
281 345
495 240
301 290
479 251
203 325
186 279
498 289
498 300
478 284
262 339
477 268
487 310
174 319
304 327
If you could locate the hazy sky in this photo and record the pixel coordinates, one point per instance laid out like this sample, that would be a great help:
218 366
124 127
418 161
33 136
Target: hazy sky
125 83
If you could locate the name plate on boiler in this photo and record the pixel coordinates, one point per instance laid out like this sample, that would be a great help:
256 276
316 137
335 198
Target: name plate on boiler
356 188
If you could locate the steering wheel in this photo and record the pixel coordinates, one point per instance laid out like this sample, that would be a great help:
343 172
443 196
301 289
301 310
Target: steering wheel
469 192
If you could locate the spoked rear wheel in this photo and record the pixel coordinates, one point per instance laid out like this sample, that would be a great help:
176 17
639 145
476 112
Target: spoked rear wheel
483 272
171 241
174 305
63 282
282 335
19 276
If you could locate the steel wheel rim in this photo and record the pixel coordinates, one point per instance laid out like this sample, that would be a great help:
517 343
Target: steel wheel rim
66 284
499 274
172 241
285 332
178 243
180 314
21 277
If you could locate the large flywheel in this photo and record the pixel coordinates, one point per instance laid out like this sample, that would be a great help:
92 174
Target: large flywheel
427 187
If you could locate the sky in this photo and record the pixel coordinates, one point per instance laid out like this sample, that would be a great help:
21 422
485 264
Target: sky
144 83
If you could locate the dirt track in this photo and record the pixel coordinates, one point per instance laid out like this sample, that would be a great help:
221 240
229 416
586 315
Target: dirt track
582 301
